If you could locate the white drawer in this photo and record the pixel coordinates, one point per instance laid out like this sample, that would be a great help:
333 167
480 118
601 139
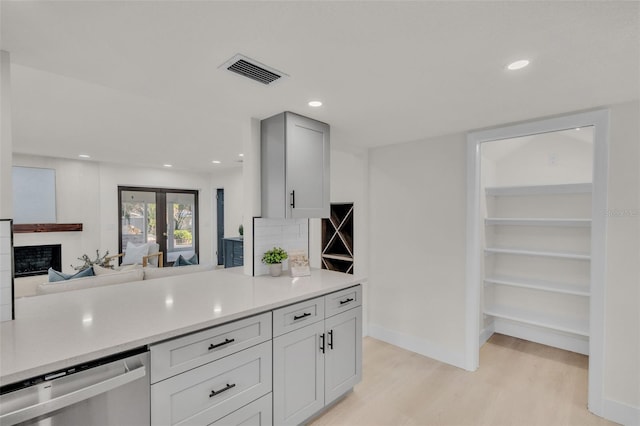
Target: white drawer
258 413
212 391
184 353
298 315
342 300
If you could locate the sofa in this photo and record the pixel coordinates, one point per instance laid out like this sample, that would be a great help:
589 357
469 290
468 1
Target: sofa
33 287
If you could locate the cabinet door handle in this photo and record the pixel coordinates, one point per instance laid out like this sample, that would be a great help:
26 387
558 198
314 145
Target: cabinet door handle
330 343
297 317
226 342
224 389
342 302
322 342
292 201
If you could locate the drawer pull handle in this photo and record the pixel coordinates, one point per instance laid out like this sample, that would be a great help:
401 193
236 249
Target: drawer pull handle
224 389
226 342
297 317
342 302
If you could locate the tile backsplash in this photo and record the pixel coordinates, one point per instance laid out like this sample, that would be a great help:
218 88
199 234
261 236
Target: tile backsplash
290 234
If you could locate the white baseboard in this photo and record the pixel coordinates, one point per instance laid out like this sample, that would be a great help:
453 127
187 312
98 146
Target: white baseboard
486 333
417 345
545 336
620 412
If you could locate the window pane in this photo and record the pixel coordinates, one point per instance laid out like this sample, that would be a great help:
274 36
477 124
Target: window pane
181 239
138 217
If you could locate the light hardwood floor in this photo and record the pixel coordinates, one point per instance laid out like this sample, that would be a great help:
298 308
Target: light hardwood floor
518 383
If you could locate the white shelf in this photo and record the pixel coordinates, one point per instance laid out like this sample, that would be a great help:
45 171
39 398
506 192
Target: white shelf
579 327
570 188
539 253
569 222
338 257
578 290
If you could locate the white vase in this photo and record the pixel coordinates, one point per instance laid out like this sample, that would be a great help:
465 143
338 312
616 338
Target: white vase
275 269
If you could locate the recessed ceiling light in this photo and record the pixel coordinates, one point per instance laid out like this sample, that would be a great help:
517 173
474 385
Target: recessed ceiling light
84 156
167 165
216 162
315 104
518 64
241 155
577 128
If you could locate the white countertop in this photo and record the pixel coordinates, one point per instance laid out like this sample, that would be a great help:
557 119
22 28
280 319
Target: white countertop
56 331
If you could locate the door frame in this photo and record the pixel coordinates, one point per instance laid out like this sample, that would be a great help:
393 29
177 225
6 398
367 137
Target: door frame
161 226
600 120
219 225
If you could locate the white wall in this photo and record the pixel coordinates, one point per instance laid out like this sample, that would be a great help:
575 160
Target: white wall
417 252
6 144
417 241
543 159
112 176
622 309
77 201
349 183
87 193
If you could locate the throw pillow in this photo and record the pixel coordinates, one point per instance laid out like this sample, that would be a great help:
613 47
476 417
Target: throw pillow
57 276
181 261
153 248
99 270
133 254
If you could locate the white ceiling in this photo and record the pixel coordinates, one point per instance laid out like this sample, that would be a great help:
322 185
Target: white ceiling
139 83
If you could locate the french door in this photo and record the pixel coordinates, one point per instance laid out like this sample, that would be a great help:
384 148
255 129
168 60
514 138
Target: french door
168 217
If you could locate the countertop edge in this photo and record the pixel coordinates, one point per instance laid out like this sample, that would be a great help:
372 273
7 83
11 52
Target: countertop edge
157 338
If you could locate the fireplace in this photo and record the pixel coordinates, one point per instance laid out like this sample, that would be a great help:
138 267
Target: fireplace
36 260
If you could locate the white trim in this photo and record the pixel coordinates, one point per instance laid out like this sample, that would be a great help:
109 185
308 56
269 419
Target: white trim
620 412
598 261
417 345
599 119
545 336
568 188
474 275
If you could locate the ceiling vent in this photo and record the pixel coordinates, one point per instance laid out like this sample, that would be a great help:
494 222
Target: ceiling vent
253 69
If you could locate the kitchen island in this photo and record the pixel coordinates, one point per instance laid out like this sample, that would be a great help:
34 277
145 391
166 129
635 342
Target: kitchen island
214 347
55 331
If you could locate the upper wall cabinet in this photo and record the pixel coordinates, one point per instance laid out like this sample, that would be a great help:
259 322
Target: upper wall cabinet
295 167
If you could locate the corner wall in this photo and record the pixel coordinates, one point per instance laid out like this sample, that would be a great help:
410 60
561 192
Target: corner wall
417 246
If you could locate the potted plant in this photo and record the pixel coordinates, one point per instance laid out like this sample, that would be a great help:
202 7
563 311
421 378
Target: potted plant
274 258
241 231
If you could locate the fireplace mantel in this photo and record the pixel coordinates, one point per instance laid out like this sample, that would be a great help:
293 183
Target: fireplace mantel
23 228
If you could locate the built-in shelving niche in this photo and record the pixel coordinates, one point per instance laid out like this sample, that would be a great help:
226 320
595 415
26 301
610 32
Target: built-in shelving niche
337 239
536 282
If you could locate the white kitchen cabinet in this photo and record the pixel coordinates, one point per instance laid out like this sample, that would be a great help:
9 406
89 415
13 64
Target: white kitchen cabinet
343 354
316 364
258 413
294 167
184 353
298 375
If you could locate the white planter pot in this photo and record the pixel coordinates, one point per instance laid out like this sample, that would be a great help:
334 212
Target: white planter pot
275 269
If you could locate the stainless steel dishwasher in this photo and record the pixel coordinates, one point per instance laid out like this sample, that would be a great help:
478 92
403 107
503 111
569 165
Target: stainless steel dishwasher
108 391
